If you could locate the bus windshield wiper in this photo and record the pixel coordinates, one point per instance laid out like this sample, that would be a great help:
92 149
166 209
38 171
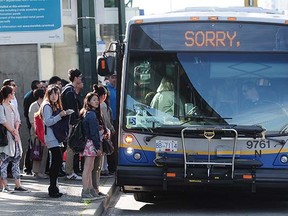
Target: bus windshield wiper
192 118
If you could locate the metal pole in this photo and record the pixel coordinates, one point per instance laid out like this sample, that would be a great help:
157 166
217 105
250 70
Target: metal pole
87 43
121 19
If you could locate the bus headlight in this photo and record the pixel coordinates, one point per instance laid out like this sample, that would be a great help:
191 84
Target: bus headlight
130 150
284 159
137 156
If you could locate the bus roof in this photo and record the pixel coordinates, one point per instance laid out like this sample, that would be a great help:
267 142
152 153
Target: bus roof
246 14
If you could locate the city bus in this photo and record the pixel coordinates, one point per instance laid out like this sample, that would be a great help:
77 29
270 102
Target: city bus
203 101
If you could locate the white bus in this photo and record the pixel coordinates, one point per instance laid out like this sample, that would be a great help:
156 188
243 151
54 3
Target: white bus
203 101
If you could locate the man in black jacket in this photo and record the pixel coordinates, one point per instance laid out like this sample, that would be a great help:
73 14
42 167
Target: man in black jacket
69 101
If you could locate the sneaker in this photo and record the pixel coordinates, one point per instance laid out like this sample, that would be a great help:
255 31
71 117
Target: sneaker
7 189
96 195
29 173
73 176
21 189
87 196
102 194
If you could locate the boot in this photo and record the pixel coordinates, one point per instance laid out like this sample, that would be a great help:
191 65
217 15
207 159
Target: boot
54 192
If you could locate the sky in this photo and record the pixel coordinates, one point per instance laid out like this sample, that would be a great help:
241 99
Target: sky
162 6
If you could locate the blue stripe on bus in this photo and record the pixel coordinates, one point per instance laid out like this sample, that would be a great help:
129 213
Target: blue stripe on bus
147 157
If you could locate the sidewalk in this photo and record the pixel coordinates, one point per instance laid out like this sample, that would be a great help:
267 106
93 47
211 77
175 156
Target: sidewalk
37 202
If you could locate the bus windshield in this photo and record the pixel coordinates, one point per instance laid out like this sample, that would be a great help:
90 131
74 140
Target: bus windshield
206 88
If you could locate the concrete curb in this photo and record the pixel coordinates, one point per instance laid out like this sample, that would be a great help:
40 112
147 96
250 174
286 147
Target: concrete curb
105 203
97 208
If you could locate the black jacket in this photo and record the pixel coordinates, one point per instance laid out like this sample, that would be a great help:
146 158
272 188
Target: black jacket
28 100
69 101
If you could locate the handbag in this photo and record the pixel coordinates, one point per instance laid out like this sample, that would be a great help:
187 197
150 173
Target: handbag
107 146
36 150
3 136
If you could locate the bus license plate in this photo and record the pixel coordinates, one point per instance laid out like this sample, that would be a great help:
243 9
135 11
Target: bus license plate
166 145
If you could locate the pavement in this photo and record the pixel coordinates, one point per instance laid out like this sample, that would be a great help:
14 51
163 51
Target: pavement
38 202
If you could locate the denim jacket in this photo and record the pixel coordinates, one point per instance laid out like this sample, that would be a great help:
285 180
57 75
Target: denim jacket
91 128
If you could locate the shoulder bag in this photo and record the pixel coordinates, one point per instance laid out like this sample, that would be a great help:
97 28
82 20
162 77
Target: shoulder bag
3 134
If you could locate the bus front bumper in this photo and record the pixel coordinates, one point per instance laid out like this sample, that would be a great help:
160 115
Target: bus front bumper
140 179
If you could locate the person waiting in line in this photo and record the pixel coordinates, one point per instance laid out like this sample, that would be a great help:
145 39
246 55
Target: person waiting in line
10 119
55 80
11 83
164 98
92 150
69 99
44 84
106 114
112 88
39 167
77 160
104 133
53 101
28 100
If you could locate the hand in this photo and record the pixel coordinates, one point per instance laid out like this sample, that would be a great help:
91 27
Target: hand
14 132
16 138
98 153
106 136
63 113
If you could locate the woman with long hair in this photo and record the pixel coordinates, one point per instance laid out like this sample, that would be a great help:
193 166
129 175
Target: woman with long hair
51 103
10 119
106 115
92 151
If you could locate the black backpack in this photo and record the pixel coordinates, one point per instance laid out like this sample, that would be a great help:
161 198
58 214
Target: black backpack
77 139
61 128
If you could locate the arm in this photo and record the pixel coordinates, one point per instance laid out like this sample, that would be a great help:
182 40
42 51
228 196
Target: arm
26 105
32 110
3 121
93 126
107 117
48 118
71 103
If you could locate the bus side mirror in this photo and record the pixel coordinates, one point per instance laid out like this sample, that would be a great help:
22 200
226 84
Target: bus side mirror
106 65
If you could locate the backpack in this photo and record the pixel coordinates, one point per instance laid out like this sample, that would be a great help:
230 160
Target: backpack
39 127
61 128
77 139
